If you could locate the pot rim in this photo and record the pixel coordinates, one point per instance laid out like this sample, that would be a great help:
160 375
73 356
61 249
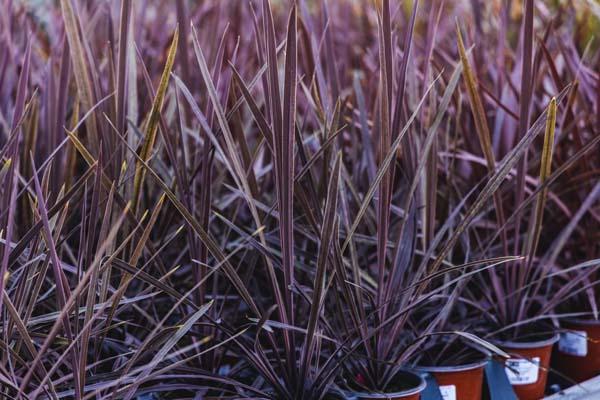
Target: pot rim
581 321
513 344
380 395
454 368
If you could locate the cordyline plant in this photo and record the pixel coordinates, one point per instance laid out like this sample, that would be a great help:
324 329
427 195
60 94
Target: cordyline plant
259 199
525 293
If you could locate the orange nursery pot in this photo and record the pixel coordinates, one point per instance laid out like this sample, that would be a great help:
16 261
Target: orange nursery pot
577 353
460 382
414 382
527 367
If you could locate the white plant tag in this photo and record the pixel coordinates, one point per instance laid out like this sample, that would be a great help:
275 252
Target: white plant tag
573 343
448 392
522 371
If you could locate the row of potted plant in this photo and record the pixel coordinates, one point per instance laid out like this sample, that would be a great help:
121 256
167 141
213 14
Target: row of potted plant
297 201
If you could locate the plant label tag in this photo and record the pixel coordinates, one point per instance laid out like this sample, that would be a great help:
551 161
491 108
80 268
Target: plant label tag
573 343
448 392
522 371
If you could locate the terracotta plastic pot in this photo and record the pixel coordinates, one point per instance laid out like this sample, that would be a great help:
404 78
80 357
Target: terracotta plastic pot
416 382
527 368
578 350
461 382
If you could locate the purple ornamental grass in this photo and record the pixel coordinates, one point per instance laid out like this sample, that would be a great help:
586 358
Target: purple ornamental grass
281 199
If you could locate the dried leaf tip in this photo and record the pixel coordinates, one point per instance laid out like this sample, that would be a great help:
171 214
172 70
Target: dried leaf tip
153 121
548 141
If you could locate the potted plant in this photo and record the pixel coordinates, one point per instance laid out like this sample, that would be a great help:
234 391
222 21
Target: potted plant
286 353
457 367
514 300
368 314
577 354
513 297
373 307
456 362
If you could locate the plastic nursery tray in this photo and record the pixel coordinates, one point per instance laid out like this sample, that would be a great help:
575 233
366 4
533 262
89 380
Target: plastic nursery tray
588 390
